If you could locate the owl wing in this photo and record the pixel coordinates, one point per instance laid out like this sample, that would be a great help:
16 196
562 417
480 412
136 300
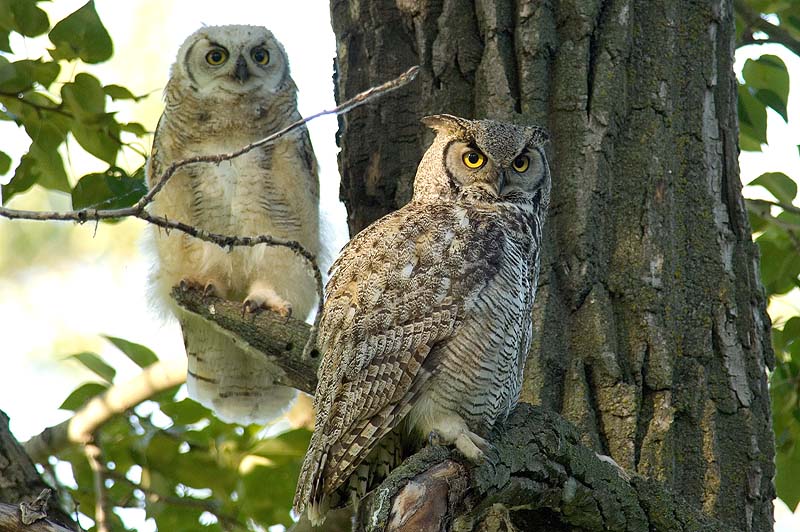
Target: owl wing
154 166
396 291
306 154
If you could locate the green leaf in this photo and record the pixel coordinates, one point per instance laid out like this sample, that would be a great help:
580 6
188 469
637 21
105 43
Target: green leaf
770 99
20 76
23 179
84 97
100 138
778 184
135 128
117 92
768 74
791 329
49 168
38 166
285 454
787 440
81 395
81 35
24 17
5 46
96 364
752 121
185 412
139 354
779 268
5 163
112 189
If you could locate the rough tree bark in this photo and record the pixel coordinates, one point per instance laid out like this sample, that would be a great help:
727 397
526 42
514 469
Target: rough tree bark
21 483
651 331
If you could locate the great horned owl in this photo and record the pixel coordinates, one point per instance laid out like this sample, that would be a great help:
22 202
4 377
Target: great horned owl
427 320
229 87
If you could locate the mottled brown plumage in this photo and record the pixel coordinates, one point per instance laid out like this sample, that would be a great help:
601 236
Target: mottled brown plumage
427 320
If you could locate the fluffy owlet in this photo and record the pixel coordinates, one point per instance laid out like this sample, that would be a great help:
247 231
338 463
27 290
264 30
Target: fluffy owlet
229 87
427 321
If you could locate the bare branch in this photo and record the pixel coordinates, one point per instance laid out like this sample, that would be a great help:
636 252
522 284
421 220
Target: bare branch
121 397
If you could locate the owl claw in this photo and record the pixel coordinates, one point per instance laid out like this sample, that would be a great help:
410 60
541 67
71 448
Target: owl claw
188 284
210 290
473 447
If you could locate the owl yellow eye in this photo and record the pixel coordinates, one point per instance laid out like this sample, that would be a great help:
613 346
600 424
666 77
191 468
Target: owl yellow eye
216 57
521 163
260 56
474 159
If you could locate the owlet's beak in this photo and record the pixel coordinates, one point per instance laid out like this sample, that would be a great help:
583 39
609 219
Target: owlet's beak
241 73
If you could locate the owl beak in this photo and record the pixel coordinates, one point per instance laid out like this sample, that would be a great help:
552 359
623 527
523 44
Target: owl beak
241 73
501 182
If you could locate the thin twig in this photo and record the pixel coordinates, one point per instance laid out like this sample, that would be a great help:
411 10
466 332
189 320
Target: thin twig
138 209
776 33
785 206
101 510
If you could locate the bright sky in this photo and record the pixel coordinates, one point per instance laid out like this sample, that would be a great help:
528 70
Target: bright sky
54 310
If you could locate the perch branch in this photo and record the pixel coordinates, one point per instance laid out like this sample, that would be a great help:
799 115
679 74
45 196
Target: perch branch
264 334
117 399
138 209
538 477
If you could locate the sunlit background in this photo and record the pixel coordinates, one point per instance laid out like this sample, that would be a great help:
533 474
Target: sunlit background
66 285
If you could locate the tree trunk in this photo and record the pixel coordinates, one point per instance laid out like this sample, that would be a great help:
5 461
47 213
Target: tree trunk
651 334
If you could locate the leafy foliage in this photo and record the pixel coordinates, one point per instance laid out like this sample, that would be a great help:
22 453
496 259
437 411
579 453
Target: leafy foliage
175 460
776 224
78 110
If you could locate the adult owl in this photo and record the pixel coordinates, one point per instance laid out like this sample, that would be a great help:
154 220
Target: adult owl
229 87
427 321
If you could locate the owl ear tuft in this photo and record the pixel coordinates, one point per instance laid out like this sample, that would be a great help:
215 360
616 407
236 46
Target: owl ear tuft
445 123
537 136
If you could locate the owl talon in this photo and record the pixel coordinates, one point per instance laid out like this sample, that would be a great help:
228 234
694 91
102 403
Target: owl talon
210 290
187 284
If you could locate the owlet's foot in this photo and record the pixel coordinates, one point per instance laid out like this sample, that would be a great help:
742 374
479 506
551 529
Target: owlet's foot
262 296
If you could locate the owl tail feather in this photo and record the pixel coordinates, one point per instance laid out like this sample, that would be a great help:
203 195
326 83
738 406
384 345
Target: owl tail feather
236 385
310 495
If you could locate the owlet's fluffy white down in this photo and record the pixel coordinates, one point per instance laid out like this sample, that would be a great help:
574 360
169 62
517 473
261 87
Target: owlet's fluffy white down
230 86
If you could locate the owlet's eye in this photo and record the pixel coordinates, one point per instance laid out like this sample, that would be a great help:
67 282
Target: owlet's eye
521 163
473 159
260 55
216 57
